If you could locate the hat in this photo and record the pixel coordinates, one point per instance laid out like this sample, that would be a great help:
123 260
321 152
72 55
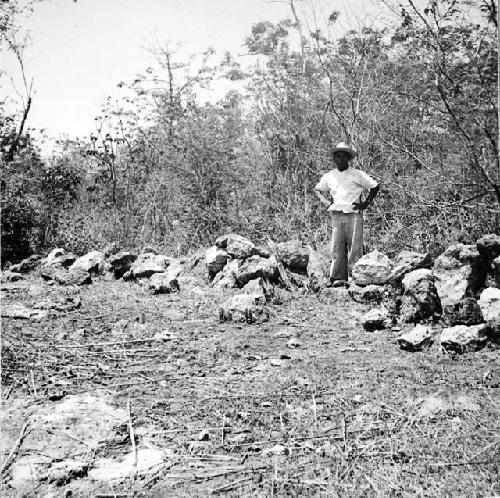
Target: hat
343 147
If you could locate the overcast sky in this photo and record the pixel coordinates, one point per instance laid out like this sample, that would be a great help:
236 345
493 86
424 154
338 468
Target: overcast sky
81 50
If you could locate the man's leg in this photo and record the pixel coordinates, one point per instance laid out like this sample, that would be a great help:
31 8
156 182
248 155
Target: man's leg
338 268
354 237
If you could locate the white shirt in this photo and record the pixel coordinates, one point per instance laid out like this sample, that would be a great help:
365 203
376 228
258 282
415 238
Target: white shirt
345 187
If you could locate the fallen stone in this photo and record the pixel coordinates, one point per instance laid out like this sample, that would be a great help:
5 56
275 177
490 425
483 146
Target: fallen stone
373 268
16 311
244 308
461 338
420 299
67 303
215 259
225 282
19 311
489 302
163 283
148 264
121 263
259 286
62 473
416 339
431 406
10 276
408 261
489 246
491 378
90 262
376 319
26 265
294 254
236 246
294 343
464 312
59 257
66 277
318 269
367 294
459 272
204 435
255 267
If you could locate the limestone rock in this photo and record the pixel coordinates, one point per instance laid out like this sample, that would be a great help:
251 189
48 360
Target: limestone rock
222 241
489 302
407 261
373 268
259 286
416 339
255 267
489 246
420 299
244 308
459 272
63 303
226 279
26 265
376 319
16 310
66 277
169 280
10 276
431 406
461 338
236 246
148 264
367 294
464 312
59 257
318 269
215 259
294 254
74 277
163 283
121 263
90 262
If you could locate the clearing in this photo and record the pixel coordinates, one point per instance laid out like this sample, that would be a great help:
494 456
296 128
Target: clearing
121 393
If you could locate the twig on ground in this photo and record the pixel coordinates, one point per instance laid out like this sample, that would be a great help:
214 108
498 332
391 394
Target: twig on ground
96 317
231 485
132 435
102 344
10 390
33 383
65 434
12 455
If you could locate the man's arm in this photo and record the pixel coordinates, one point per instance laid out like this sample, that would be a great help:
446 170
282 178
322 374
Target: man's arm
359 206
320 195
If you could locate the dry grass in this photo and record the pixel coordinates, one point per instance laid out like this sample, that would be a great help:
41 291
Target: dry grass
339 416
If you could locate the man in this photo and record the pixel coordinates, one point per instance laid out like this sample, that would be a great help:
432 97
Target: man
346 185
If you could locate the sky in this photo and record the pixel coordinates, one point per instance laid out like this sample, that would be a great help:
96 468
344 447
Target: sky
80 50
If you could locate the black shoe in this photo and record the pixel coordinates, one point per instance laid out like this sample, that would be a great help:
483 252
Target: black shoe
340 283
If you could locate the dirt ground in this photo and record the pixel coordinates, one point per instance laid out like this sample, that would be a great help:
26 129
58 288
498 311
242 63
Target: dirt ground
116 392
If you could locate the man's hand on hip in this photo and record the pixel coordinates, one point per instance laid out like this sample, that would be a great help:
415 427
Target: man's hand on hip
359 206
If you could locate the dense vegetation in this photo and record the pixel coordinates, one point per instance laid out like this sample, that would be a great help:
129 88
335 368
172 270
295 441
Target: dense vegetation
417 98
